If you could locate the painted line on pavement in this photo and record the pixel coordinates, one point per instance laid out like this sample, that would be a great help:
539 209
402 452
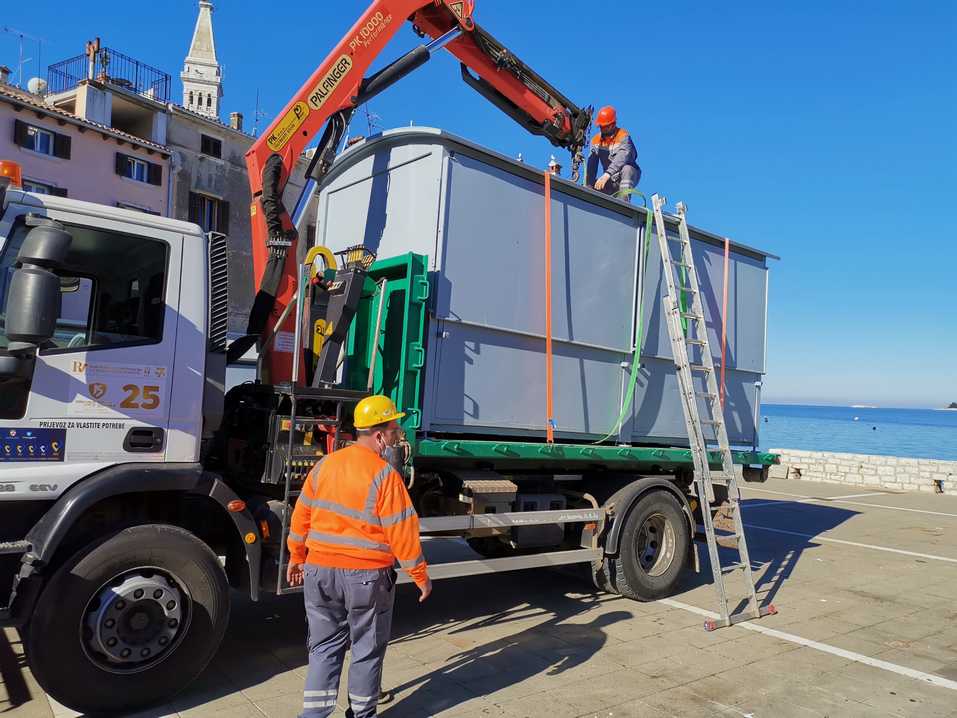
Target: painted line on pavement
824 539
857 496
842 501
930 678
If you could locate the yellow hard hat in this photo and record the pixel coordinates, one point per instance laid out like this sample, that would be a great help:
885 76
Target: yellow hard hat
375 410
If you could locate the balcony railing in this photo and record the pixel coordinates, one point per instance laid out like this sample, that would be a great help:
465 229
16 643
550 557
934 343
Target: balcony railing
112 67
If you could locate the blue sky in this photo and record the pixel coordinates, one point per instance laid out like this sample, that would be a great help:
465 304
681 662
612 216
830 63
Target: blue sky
823 132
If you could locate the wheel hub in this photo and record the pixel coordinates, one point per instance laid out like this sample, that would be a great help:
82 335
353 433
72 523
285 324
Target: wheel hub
135 620
656 544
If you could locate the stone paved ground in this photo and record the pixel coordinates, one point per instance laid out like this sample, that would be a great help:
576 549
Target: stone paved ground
868 581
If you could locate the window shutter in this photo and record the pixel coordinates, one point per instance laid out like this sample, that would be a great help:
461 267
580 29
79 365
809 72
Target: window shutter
155 173
194 209
122 165
58 191
61 145
20 133
223 219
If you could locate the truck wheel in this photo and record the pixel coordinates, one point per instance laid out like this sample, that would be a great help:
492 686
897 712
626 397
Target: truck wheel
654 546
129 622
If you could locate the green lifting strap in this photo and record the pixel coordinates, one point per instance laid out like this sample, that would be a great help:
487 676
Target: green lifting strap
636 359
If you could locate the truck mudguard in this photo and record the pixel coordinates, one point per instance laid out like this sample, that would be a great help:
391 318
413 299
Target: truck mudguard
48 533
625 499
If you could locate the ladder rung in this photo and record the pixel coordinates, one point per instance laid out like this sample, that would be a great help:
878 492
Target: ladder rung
700 367
712 422
698 342
691 315
732 567
706 395
727 541
688 289
681 264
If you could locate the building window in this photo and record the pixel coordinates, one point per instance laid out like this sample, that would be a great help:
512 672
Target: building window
42 188
211 146
209 101
139 170
209 213
190 98
41 140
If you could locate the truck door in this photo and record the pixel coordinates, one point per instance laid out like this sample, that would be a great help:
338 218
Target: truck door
99 391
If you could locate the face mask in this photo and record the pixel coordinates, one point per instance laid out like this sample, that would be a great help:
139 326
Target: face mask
393 453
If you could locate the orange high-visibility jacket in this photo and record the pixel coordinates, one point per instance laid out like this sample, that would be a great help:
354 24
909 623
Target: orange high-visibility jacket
354 512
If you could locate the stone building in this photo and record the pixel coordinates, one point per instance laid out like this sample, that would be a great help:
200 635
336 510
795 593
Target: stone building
104 128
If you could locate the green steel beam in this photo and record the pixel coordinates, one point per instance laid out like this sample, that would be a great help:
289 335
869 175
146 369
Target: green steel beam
541 453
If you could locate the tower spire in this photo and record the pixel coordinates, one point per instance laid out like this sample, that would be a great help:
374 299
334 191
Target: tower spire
202 76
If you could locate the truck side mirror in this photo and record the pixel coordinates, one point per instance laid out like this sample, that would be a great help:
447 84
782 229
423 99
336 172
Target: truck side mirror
33 299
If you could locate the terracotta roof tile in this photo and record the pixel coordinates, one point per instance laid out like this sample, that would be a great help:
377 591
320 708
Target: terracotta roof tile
14 94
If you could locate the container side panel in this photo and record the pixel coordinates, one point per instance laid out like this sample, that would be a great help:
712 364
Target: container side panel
658 415
493 263
387 201
496 379
747 298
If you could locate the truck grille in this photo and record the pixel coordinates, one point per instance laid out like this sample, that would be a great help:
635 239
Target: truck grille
218 292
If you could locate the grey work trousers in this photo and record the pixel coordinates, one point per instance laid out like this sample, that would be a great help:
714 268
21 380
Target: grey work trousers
346 607
628 179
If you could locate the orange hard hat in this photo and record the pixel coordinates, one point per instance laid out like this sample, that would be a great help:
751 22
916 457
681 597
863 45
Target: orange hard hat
606 116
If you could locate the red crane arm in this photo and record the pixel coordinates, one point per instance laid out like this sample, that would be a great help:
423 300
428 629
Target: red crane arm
326 102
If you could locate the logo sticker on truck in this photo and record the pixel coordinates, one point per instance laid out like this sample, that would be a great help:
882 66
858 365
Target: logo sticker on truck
21 444
287 126
131 390
337 73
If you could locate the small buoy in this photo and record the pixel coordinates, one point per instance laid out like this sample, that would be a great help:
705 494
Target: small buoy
857 418
873 428
765 420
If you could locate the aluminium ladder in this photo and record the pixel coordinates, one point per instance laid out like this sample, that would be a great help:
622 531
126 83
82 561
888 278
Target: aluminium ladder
689 338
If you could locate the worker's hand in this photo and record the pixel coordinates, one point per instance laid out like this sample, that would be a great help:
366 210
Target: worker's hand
425 589
602 181
294 574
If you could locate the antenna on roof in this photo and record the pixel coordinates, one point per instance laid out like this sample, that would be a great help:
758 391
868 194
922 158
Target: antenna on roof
21 61
257 116
372 119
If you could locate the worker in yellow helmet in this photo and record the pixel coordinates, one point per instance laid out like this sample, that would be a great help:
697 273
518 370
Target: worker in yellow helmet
353 520
613 149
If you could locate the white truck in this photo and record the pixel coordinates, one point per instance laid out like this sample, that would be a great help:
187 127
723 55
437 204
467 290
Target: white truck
133 493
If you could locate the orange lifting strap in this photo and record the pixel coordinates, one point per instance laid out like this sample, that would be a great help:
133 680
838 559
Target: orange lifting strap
724 316
549 408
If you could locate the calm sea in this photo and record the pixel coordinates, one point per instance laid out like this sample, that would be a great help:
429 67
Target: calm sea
920 433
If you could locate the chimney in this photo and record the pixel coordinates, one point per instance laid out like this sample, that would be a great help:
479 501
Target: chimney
236 120
5 74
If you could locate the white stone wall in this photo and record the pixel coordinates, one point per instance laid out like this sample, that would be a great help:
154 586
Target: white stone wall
867 470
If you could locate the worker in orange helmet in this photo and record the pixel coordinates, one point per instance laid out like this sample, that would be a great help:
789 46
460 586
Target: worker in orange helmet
352 522
613 148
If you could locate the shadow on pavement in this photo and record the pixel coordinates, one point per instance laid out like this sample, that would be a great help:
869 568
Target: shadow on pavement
12 665
267 639
773 554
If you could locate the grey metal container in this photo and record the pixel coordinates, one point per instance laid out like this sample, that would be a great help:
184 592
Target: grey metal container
479 216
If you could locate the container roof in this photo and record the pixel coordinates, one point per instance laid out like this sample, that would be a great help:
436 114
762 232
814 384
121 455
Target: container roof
433 135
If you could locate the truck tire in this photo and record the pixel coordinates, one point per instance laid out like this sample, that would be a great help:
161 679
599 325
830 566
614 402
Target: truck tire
130 621
654 545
